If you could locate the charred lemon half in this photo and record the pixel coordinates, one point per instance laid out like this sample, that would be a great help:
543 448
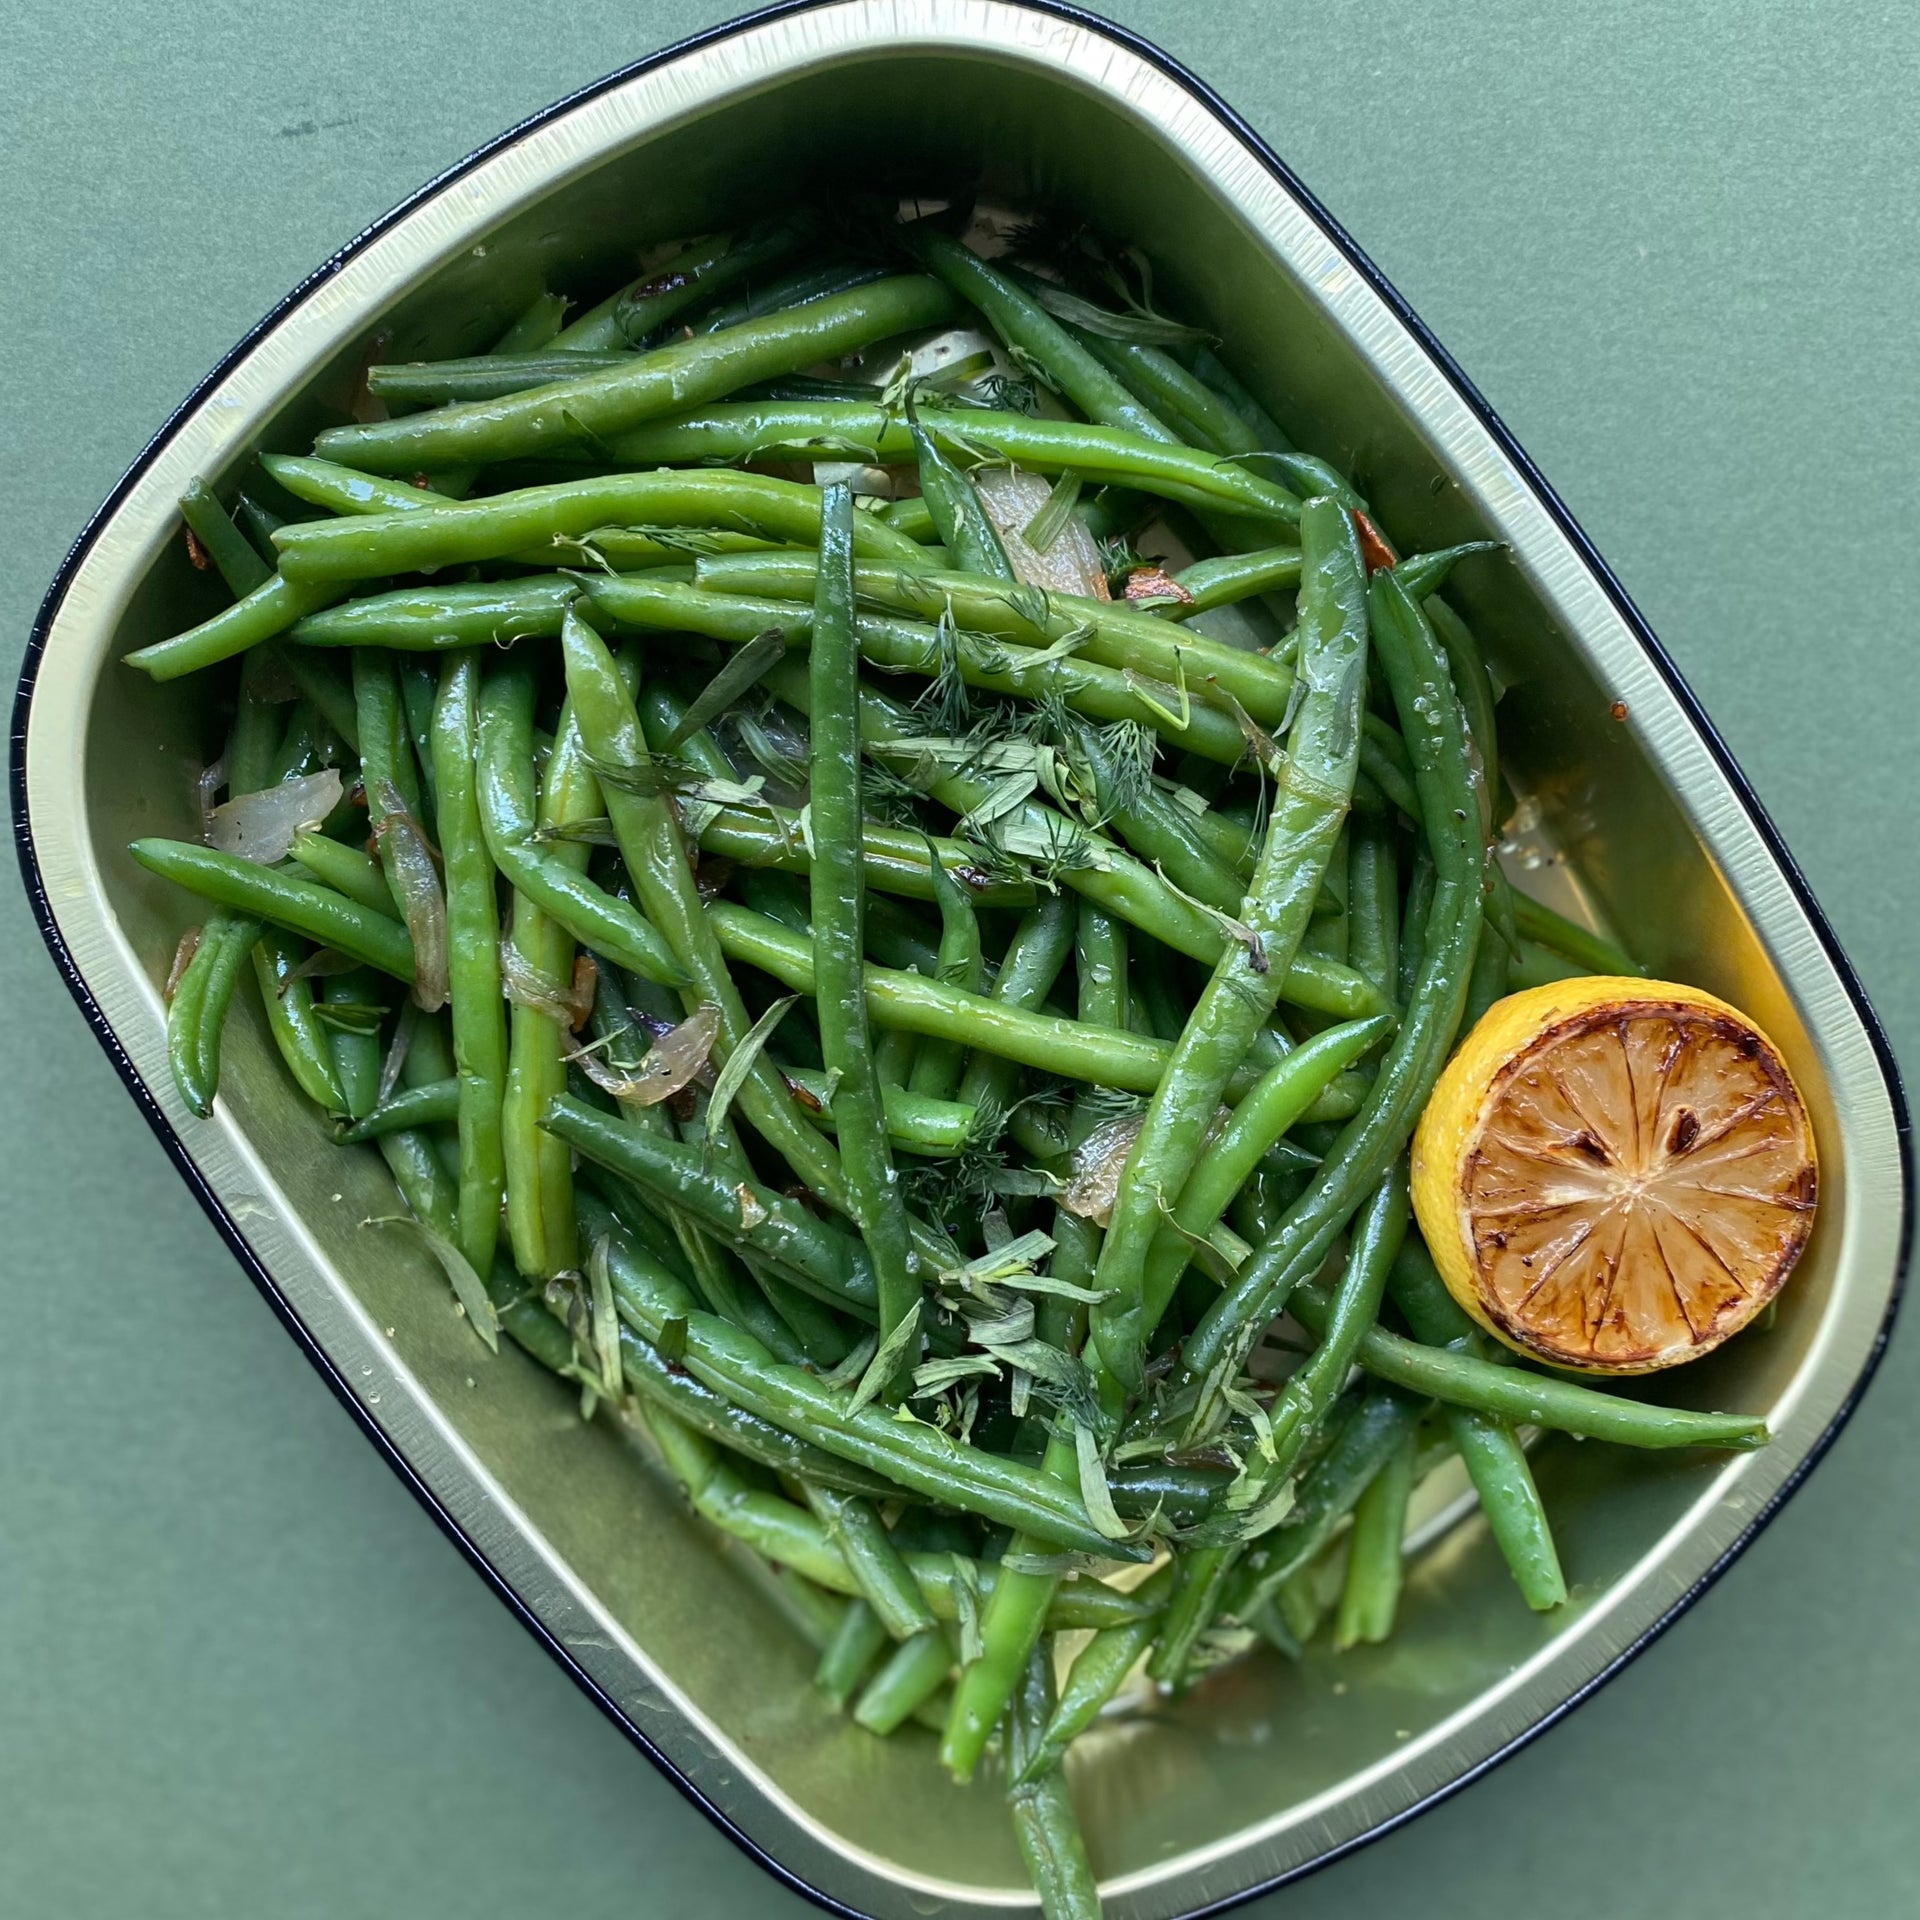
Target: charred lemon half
1615 1174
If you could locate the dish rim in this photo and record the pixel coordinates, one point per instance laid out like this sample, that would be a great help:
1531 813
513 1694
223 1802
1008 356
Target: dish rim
1636 625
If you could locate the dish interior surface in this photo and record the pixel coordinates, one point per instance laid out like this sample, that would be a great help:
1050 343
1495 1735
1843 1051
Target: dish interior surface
1627 820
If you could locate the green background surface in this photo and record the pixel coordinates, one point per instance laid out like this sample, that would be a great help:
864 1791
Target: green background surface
240 1672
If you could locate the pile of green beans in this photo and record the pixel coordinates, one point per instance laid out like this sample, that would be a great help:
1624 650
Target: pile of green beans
897 1036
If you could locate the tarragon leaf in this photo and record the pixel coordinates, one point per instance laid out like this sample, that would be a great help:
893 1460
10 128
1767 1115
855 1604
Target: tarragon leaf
1094 1492
886 1359
468 1288
739 1063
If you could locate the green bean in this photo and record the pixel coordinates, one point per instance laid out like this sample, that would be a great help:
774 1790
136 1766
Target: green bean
1010 1630
279 603
537 325
847 1657
1293 1423
347 870
386 753
1011 1625
886 1583
1373 905
960 962
1096 1675
484 376
691 277
771 1525
1284 1095
284 899
766 429
1555 931
1528 1399
1156 996
1471 682
746 1301
353 1034
920 1458
1312 788
1326 932
839 911
1026 328
1209 368
1214 421
915 1670
1043 1816
1371 1595
1378 766
1424 574
814 1253
896 936
197 1011
959 520
1538 966
1230 577
665 1385
814 1336
329 685
255 733
916 1123
655 855
1494 1458
609 400
266 611
221 541
1379 1425
648 603
538 1169
816 1615
913 517
430 1190
422 619
299 1034
893 860
1097 869
504 525
434 1103
1154 827
1491 979
893 1057
1374 1138
419 690
938 1012
1032 963
793 289
473 951
550 874
533 329
1175 394
1355 1304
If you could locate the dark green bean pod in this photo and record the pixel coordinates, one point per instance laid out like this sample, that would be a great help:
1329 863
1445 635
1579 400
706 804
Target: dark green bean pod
608 400
1494 1458
1313 786
839 915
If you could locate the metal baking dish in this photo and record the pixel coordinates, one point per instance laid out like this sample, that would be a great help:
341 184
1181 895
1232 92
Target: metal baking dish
1270 1768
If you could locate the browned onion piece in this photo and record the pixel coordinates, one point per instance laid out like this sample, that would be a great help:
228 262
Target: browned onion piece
673 1062
416 884
1098 1163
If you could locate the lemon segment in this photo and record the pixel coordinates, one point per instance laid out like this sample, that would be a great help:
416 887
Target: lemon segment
1615 1174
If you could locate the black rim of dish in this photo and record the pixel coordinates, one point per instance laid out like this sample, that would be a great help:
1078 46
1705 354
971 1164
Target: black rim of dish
1643 634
